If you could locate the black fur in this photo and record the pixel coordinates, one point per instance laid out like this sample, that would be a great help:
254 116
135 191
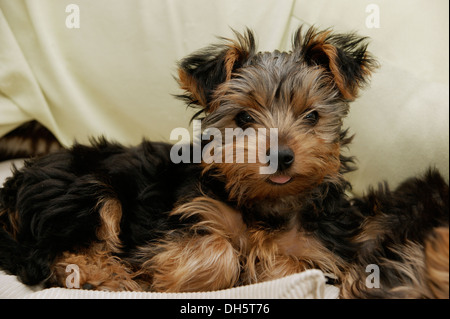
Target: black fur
56 196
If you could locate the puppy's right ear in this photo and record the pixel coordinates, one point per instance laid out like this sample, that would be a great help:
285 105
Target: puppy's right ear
202 72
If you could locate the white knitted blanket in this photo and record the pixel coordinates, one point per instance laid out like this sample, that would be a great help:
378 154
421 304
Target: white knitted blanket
306 285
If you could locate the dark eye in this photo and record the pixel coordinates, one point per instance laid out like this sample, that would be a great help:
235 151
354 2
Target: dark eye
312 118
242 119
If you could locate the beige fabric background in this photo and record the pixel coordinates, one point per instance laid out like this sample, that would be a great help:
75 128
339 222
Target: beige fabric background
114 75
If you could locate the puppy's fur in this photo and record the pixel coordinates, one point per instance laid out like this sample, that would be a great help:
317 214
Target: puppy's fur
131 219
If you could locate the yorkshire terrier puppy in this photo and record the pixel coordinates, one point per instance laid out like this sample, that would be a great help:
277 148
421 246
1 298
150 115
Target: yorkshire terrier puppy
133 218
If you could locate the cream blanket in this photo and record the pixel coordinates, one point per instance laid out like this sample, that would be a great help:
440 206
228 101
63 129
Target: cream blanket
306 285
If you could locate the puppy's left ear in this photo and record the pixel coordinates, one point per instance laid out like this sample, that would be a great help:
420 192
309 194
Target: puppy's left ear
202 72
344 56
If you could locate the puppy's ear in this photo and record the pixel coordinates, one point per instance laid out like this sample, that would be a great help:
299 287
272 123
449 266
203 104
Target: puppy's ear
345 56
202 72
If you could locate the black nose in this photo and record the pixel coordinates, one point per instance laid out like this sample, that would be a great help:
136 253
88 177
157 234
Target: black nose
285 158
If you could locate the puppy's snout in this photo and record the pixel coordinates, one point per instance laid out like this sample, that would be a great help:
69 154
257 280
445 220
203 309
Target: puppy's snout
285 158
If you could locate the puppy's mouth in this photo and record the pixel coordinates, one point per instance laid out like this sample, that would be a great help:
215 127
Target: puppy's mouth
279 179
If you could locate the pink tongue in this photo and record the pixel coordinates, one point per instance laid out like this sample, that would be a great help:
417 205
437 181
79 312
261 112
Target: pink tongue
280 179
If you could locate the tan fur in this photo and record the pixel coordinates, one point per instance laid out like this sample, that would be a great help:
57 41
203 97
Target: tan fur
221 252
310 250
348 92
205 258
274 255
265 260
197 263
436 260
233 54
98 270
189 84
110 215
98 267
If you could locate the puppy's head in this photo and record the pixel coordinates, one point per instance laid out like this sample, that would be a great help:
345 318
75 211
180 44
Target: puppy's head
279 114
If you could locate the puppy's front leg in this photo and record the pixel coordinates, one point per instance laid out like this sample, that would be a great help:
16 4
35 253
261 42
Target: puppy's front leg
203 256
